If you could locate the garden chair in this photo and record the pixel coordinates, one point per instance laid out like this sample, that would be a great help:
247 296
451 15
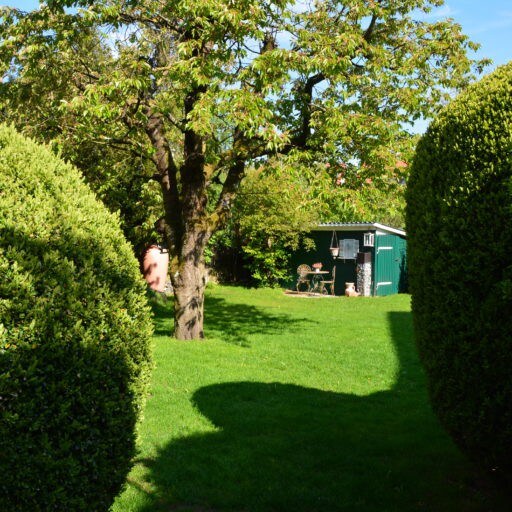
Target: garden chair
303 276
330 283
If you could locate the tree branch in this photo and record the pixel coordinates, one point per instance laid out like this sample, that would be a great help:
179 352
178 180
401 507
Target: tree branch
224 203
167 173
305 93
371 27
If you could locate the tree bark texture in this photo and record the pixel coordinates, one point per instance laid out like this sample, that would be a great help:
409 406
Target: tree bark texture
189 301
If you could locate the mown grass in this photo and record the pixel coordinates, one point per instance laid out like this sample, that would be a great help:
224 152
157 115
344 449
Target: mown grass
295 404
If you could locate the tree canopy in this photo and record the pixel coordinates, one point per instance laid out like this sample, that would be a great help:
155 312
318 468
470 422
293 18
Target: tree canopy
203 88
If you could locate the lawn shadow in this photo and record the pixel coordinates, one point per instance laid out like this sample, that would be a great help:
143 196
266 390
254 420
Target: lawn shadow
231 322
283 447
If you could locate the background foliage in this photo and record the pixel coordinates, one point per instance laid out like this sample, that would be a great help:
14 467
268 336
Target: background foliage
38 101
281 201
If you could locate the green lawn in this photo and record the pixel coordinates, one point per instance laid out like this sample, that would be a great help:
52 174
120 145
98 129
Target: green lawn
296 404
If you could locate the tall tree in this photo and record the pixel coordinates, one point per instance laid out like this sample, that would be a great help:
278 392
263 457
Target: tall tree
233 82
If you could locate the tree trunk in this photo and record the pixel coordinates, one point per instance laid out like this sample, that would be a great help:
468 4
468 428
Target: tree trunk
189 282
189 302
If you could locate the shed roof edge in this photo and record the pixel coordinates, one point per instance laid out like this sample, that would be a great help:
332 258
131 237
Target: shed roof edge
357 226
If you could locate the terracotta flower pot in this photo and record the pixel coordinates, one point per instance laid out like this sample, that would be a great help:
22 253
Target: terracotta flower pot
350 290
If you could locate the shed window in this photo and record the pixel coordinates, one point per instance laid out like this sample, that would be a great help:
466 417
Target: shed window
349 249
369 240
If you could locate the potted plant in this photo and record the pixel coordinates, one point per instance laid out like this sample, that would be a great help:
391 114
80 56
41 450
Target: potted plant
335 249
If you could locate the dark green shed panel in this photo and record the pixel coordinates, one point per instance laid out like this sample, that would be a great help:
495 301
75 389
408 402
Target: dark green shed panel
345 269
389 269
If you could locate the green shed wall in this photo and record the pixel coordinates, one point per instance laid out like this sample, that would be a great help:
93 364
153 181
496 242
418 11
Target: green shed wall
389 268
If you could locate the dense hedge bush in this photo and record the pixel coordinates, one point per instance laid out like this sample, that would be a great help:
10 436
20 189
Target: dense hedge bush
74 338
459 223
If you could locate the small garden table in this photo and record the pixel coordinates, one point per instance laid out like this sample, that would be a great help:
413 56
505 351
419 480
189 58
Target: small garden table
317 285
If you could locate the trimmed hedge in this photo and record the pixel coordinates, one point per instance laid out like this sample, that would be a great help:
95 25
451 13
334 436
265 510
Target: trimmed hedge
74 338
459 224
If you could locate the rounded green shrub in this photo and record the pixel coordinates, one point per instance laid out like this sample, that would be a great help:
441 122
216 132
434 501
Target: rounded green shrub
459 224
74 338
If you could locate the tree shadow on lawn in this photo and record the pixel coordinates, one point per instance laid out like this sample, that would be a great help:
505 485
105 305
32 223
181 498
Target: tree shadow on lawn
232 322
282 447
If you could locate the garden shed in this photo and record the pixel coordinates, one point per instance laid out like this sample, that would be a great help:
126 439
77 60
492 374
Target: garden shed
369 254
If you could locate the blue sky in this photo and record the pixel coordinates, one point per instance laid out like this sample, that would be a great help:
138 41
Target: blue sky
487 22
